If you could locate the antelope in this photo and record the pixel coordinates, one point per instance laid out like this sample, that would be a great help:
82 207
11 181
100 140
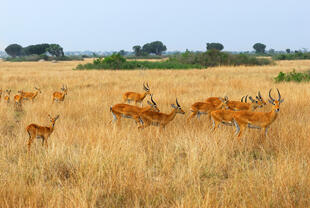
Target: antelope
199 108
60 96
226 116
18 101
30 95
36 131
130 111
216 101
7 97
137 97
240 105
148 118
260 120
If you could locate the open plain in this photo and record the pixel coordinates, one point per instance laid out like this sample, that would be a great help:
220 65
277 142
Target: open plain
91 162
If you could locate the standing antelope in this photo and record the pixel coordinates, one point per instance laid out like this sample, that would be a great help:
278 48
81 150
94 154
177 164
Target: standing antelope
226 116
18 101
137 97
130 111
30 95
7 96
259 120
199 108
240 105
60 96
43 132
148 118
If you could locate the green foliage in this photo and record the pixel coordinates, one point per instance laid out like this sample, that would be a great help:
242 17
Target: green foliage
215 46
55 50
37 49
293 76
292 56
156 47
288 50
14 50
259 48
137 50
42 57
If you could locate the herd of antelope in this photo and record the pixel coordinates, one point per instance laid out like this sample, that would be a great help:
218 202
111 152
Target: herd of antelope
34 130
240 114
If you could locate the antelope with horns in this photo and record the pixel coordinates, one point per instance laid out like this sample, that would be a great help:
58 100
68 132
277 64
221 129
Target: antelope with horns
260 120
30 95
137 97
60 96
130 111
240 105
7 96
43 132
18 99
148 118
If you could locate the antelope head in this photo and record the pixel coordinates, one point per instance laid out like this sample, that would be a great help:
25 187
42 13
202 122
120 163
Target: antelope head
177 107
259 98
38 89
274 102
53 120
256 103
153 104
64 89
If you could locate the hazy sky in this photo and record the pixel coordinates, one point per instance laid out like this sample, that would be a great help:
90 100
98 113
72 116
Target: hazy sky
102 25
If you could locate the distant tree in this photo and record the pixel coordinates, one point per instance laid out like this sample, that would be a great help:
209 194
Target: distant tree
137 50
122 52
55 50
14 50
259 48
36 49
156 47
271 51
288 50
216 46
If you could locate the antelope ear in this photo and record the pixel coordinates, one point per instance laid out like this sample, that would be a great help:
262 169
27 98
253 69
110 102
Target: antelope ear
281 101
172 105
271 102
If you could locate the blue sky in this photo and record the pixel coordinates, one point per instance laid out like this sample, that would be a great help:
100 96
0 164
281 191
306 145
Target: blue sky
114 25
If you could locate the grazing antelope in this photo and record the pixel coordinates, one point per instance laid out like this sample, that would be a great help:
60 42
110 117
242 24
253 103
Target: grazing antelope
199 108
148 118
130 111
43 132
60 96
259 120
30 95
226 116
7 96
137 97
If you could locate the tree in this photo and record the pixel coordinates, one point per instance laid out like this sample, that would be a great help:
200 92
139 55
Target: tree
271 51
55 50
14 50
288 50
216 46
259 48
36 49
137 50
156 47
122 52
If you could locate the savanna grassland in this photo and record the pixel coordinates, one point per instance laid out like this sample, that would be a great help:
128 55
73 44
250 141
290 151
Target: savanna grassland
92 163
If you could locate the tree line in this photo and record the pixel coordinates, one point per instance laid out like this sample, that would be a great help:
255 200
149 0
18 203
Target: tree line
38 49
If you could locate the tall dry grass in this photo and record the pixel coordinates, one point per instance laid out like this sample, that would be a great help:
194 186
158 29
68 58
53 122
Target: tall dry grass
91 163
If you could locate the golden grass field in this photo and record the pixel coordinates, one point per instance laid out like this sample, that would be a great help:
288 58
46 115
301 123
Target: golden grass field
92 163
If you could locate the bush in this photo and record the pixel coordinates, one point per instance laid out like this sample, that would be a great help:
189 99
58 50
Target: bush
292 56
293 76
44 57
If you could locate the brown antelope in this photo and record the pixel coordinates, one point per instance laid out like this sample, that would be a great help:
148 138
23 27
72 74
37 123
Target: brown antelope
216 101
261 120
43 132
60 96
7 96
130 111
18 101
199 108
240 105
137 97
226 116
148 118
30 95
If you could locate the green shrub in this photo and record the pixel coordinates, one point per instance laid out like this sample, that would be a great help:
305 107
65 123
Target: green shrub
293 76
292 56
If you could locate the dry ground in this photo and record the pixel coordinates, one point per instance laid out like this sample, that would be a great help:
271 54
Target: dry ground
91 163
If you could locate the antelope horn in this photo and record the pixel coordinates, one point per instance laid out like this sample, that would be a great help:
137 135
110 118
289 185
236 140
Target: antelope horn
259 95
144 87
252 100
153 100
279 95
242 98
246 98
176 101
270 96
147 84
